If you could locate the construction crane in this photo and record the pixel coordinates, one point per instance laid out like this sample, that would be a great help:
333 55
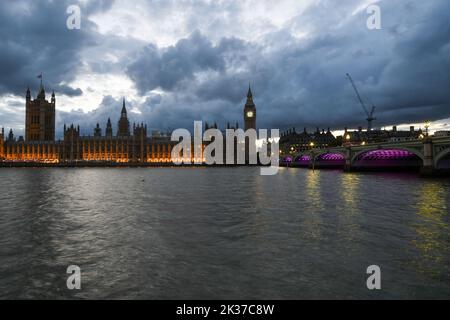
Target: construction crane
370 117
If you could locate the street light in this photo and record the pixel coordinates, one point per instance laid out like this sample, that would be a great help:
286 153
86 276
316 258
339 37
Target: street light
311 144
348 137
427 125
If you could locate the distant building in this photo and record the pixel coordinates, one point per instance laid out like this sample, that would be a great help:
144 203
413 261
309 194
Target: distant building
442 134
292 142
40 145
39 117
130 145
360 136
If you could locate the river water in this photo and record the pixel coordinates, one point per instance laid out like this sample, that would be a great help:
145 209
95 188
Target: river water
222 233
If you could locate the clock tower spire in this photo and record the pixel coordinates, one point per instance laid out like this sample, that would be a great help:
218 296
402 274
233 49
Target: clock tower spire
250 111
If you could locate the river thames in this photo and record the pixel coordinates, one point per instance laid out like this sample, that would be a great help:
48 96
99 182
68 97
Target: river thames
222 233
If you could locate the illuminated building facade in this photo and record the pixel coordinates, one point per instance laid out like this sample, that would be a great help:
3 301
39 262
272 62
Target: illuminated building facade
39 146
130 145
40 117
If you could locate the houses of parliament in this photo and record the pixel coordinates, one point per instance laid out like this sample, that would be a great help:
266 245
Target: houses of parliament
130 144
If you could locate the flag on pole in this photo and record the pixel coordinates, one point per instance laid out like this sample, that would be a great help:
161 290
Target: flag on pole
40 77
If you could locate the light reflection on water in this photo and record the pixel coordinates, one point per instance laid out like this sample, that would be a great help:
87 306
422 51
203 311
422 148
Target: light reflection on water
222 233
433 230
350 208
313 205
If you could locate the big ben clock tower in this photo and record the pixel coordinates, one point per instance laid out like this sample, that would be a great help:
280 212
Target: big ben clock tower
250 111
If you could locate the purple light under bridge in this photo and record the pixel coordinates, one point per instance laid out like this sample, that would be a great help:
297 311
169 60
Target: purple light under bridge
287 159
388 158
303 159
338 157
387 154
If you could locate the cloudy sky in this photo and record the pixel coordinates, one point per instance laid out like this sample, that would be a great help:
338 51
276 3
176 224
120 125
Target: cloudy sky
180 61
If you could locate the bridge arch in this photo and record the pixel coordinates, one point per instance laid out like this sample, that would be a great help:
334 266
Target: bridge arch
317 156
442 159
287 159
329 159
410 150
303 157
385 158
302 160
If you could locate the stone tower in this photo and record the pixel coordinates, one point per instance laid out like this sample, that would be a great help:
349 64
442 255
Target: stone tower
250 111
2 144
97 131
124 124
40 117
109 130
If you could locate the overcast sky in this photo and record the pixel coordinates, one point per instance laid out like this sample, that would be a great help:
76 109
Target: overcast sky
180 61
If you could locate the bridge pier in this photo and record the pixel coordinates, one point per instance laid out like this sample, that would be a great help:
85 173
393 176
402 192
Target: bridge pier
348 160
428 168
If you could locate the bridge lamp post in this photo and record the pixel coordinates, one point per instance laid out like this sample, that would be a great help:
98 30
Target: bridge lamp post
292 150
346 140
427 126
313 157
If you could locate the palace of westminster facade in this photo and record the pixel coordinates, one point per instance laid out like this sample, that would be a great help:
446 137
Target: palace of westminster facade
130 145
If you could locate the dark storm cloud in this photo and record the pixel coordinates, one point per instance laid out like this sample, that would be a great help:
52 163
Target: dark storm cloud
35 39
297 70
402 69
15 119
166 68
68 91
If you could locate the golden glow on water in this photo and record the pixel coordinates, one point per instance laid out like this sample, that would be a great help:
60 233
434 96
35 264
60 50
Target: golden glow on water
313 219
313 188
351 196
350 192
432 230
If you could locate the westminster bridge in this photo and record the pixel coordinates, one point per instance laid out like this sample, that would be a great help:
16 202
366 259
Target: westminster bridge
430 155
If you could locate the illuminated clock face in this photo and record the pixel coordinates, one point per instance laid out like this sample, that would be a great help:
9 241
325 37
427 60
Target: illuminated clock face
250 114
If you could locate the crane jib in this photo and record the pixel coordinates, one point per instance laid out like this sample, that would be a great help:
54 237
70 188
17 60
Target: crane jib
370 114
